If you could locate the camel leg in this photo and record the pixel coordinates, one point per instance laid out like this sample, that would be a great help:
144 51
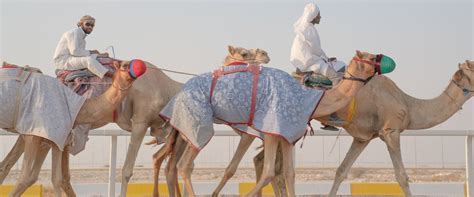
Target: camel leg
288 167
56 170
158 159
258 163
66 183
171 170
138 133
356 148
35 154
185 166
12 157
270 148
278 183
244 144
392 139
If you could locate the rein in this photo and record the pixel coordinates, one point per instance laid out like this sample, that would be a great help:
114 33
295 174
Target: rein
354 78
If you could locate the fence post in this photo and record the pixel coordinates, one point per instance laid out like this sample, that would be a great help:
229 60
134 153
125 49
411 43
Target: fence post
469 171
112 165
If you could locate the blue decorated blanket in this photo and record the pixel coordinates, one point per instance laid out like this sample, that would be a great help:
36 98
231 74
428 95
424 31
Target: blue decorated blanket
283 106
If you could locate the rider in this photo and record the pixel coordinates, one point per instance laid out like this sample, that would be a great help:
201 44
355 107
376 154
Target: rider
71 53
306 53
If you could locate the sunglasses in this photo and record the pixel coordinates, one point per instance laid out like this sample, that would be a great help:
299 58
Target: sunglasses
89 24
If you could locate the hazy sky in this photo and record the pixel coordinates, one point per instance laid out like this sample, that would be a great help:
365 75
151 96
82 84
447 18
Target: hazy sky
427 38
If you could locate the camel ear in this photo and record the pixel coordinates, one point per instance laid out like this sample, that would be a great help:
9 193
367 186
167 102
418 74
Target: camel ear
469 65
359 54
116 65
231 49
458 76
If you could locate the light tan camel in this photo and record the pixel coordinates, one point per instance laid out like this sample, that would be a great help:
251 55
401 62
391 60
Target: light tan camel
142 106
36 148
383 110
358 72
252 56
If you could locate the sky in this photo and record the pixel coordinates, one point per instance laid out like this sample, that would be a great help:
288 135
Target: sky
427 39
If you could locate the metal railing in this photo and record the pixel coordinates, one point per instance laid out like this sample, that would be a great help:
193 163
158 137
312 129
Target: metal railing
114 133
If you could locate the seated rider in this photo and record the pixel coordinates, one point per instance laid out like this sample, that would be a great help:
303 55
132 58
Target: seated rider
306 53
71 53
308 57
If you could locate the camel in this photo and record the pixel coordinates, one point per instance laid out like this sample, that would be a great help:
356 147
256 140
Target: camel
385 111
257 56
142 106
360 70
36 148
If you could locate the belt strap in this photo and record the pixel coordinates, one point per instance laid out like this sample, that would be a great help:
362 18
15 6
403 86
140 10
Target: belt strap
22 77
252 68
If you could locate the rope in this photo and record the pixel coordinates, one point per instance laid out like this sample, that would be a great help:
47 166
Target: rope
172 71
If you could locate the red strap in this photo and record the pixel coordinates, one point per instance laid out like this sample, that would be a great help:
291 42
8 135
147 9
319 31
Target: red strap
115 115
236 63
255 70
9 66
375 64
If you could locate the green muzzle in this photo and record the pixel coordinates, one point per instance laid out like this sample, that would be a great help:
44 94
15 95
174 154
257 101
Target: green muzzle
385 64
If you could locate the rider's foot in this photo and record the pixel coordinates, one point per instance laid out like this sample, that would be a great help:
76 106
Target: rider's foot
329 128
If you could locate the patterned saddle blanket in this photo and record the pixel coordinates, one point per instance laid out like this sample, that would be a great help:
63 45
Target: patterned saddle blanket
36 104
283 106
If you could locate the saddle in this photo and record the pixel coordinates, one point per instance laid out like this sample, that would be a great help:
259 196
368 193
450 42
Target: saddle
318 81
80 81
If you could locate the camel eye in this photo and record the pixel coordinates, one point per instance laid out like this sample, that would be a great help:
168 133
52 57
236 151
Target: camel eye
244 54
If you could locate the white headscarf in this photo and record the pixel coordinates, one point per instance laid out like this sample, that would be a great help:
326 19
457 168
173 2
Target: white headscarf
310 12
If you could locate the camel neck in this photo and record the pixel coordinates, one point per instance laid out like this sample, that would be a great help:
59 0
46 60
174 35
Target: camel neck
429 113
337 97
95 109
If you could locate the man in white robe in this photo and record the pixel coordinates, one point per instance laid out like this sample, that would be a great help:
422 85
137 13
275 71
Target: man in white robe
306 52
71 53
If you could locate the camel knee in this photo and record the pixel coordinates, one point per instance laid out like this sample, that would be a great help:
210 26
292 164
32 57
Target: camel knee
268 177
340 173
127 174
230 172
29 181
184 171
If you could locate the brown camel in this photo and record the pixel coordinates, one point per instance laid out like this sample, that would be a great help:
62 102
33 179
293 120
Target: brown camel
333 100
36 148
383 110
142 105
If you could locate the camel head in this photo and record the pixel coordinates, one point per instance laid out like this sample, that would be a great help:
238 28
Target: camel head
260 56
464 77
239 54
362 67
128 71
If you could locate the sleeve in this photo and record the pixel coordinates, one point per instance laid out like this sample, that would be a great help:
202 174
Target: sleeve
75 47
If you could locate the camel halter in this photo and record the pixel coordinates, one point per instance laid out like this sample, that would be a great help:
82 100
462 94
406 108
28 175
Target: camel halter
354 78
121 88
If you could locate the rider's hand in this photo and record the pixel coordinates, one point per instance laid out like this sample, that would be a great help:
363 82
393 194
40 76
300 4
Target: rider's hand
103 55
94 52
109 74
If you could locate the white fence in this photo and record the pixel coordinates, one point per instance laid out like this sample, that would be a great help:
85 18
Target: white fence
300 153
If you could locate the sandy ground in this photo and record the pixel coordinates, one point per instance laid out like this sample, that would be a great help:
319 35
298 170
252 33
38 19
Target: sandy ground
248 174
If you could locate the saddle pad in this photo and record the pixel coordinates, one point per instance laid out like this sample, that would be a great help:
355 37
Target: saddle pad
283 106
46 109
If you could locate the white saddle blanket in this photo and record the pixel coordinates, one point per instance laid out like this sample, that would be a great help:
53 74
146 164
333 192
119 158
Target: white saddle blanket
283 106
44 108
